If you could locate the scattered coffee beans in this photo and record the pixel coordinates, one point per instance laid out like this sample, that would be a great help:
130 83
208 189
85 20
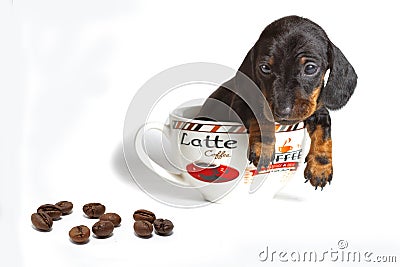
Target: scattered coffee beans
103 228
42 221
145 221
143 228
144 215
163 227
79 234
52 210
112 217
94 210
65 206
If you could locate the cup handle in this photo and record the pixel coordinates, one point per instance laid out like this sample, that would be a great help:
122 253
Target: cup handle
152 142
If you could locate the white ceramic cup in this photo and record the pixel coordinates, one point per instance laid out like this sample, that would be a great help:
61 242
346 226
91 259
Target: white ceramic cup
209 156
212 156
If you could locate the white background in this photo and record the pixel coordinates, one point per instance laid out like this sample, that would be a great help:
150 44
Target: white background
68 71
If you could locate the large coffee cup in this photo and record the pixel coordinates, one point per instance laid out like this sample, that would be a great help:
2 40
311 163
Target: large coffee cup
209 156
212 156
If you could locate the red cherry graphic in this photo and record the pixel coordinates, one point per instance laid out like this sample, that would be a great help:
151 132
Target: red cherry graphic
219 174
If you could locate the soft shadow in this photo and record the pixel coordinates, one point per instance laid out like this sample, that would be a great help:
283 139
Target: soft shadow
120 167
161 190
144 237
39 230
102 237
79 244
288 197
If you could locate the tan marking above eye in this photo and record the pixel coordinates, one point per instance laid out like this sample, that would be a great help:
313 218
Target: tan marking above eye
303 60
271 61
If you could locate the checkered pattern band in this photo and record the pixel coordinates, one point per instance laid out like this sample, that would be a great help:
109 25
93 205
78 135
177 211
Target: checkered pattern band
239 129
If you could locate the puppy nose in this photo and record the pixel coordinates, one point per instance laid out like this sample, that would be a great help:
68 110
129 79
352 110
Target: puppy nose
282 112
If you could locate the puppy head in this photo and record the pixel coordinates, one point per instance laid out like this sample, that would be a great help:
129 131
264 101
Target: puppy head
289 62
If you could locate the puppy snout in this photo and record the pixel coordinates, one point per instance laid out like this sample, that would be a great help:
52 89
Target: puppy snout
282 113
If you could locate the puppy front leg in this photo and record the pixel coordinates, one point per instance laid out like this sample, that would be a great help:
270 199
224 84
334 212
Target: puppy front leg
261 143
319 159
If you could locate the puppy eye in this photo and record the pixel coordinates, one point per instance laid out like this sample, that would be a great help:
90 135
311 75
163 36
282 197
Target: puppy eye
310 68
265 68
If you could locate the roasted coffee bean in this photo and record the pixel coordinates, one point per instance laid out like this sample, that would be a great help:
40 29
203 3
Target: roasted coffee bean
143 228
79 234
144 215
103 228
52 210
42 221
163 227
94 210
112 217
65 206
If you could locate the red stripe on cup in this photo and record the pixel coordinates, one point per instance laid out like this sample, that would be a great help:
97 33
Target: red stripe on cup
242 129
216 127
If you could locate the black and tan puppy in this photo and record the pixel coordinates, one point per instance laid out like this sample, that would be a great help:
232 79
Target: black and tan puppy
288 64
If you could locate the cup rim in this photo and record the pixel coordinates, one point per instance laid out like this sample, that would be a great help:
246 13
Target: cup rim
279 127
178 117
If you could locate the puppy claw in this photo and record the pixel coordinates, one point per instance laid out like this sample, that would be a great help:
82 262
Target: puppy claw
258 167
252 156
319 174
263 163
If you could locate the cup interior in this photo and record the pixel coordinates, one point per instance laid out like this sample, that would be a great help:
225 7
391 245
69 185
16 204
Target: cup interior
205 165
189 113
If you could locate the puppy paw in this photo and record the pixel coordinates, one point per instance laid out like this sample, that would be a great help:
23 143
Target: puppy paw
261 155
261 144
318 171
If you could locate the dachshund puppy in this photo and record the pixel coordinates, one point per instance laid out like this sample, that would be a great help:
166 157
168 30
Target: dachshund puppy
288 64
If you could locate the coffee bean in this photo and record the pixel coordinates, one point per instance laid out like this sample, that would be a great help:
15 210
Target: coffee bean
94 210
52 210
112 217
144 215
143 228
103 228
79 234
163 227
65 206
42 221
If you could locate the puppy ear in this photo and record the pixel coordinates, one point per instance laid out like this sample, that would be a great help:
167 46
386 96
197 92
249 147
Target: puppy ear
341 82
247 66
